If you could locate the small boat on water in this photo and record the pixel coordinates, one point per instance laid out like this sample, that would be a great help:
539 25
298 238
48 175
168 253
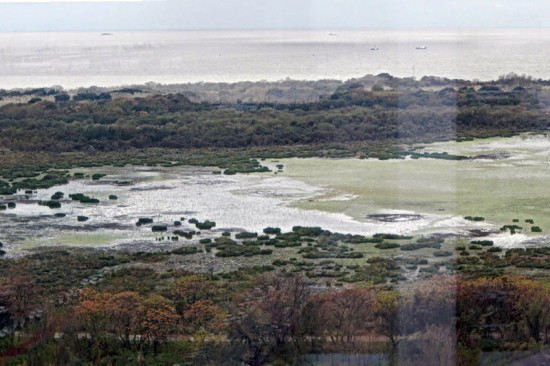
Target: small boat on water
374 48
107 34
421 47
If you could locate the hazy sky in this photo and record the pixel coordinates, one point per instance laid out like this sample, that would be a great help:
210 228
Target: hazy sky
53 15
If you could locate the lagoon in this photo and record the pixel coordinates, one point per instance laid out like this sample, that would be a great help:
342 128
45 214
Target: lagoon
507 179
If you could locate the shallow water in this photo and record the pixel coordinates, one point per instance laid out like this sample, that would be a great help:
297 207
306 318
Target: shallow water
511 181
422 196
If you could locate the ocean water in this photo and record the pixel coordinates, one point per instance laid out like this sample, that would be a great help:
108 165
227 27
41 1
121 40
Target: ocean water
85 59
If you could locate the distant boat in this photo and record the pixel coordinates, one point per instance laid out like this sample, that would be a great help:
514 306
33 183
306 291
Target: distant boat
422 48
332 34
374 48
107 34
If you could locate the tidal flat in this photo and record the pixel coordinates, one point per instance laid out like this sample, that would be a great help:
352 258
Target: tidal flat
506 179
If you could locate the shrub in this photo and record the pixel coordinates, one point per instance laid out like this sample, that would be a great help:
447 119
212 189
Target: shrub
536 229
494 250
158 228
272 230
387 246
307 231
474 218
483 243
83 198
98 176
113 197
287 244
60 214
205 241
50 204
288 236
442 253
246 235
57 196
11 204
185 234
82 218
416 246
512 228
185 251
145 220
207 225
392 237
223 240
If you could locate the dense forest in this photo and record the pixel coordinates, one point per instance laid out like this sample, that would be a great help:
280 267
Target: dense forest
394 109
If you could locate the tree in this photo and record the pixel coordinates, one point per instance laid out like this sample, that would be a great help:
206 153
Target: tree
270 315
190 289
158 319
343 315
20 295
387 315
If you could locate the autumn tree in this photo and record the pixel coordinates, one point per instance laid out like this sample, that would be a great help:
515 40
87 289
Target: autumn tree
158 320
190 289
387 315
20 295
271 314
345 314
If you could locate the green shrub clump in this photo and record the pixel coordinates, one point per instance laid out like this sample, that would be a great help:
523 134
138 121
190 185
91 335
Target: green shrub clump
483 243
387 245
159 228
57 196
246 235
145 220
50 204
185 251
474 218
206 225
98 176
272 230
82 198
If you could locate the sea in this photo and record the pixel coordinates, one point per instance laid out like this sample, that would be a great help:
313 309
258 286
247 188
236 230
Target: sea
83 59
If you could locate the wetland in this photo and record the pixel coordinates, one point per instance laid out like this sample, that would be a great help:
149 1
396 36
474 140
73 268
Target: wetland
397 220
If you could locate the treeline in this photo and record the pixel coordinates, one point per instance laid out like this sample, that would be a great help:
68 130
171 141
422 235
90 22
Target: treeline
135 316
354 113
